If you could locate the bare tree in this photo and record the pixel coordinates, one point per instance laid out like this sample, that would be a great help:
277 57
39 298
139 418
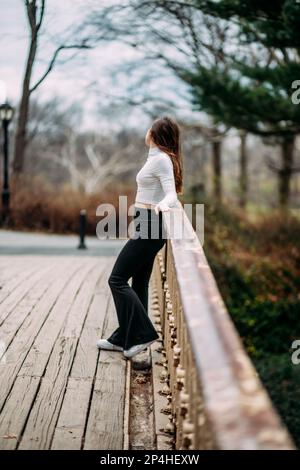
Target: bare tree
35 11
86 160
98 169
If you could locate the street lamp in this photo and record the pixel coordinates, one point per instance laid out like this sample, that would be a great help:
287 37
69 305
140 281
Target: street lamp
6 115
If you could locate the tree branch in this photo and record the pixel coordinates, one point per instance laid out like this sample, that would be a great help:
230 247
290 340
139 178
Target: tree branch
53 60
40 22
31 14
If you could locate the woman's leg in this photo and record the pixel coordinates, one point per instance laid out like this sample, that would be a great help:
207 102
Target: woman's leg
140 281
135 326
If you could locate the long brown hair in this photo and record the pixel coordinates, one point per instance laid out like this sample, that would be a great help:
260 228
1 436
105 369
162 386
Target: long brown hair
165 134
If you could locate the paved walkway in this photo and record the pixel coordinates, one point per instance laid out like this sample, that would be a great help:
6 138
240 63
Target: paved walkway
32 243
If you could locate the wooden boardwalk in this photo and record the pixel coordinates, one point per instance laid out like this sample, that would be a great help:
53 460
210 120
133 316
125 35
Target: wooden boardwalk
57 391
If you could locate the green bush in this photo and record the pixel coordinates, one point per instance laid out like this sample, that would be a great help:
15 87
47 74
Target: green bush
267 327
282 380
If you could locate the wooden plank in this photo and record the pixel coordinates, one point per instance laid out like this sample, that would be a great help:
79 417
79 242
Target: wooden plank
127 407
25 336
20 290
10 266
36 361
41 424
86 358
37 358
13 272
74 323
10 272
19 313
70 428
85 362
43 415
105 426
16 410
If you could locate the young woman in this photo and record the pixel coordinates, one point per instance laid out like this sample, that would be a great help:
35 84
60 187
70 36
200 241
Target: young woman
158 182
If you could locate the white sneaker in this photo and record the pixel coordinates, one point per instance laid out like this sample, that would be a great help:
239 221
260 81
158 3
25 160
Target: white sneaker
104 344
137 349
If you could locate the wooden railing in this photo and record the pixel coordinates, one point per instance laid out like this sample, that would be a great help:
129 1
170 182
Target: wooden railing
217 400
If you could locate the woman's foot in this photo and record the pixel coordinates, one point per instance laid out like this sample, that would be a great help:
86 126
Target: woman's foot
104 344
137 349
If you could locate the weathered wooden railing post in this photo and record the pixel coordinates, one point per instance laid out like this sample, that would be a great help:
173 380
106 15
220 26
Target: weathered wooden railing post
216 400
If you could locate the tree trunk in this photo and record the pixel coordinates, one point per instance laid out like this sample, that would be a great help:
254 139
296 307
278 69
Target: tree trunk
243 170
286 171
217 170
21 131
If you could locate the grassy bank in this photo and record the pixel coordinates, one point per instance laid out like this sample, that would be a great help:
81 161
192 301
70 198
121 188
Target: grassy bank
36 205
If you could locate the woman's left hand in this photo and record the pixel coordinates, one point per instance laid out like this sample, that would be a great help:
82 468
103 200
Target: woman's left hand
161 206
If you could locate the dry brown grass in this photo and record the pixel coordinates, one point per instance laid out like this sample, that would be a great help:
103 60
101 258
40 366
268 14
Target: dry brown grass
35 205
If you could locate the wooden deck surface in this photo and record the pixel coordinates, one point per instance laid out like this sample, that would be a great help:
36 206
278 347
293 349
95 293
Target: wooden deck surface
57 391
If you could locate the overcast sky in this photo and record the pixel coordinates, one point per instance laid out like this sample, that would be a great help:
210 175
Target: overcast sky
70 80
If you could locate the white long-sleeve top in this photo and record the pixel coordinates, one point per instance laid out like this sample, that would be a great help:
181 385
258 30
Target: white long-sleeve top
155 180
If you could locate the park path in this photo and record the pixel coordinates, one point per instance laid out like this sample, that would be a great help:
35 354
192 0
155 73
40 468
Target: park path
57 390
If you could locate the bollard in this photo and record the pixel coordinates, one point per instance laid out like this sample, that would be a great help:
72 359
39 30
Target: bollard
82 229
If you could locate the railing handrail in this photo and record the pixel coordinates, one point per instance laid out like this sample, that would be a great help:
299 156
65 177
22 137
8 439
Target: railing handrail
238 408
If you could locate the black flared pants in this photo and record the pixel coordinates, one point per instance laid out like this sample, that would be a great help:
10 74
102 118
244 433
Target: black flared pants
135 261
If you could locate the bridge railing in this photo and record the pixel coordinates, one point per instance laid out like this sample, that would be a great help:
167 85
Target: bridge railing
216 397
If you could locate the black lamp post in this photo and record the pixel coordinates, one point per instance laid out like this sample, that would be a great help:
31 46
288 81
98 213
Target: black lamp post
6 115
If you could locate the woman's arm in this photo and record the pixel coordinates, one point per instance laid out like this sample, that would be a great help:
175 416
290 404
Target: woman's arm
164 171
